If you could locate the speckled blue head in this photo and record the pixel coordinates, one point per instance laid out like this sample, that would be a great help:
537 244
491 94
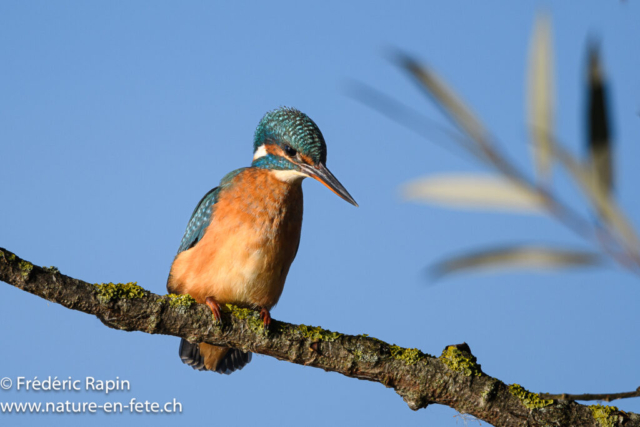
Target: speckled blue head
290 127
288 142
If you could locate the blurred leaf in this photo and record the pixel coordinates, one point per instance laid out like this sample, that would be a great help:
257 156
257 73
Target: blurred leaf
598 124
604 205
410 118
460 115
474 191
454 107
540 97
516 257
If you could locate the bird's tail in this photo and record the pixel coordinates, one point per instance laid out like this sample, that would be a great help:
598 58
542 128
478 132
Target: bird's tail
207 357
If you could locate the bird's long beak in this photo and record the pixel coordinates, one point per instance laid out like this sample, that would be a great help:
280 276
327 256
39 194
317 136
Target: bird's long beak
322 174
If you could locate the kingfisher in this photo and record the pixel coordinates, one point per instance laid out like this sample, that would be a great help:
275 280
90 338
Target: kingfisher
244 234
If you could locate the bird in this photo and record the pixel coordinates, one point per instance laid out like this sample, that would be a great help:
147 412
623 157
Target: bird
244 234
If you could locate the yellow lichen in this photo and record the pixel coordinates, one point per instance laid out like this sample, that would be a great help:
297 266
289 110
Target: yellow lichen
183 301
241 313
316 333
112 291
252 317
25 268
8 256
459 361
604 415
408 355
490 392
528 399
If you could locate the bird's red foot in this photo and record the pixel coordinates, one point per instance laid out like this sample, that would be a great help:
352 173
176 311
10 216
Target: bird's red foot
266 317
215 308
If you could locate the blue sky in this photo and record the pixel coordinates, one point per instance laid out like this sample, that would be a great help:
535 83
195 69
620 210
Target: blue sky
116 117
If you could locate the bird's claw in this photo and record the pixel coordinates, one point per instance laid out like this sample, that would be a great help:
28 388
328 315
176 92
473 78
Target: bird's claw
266 318
215 308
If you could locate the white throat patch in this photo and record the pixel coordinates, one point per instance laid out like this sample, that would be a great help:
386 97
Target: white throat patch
260 152
289 176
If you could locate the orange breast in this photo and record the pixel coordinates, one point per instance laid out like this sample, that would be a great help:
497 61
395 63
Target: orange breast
245 253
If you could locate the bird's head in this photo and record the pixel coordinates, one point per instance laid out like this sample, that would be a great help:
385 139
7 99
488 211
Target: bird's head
288 142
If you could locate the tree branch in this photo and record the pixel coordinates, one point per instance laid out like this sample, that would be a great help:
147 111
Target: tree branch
453 379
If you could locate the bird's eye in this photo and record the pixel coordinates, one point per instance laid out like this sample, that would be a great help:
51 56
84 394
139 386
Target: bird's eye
290 151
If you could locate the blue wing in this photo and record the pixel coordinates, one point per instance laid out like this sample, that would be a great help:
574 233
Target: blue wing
200 220
203 213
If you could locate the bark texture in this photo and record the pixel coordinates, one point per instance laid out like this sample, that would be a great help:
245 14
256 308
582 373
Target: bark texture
454 379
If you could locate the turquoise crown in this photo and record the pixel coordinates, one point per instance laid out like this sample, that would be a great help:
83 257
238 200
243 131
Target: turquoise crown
288 126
